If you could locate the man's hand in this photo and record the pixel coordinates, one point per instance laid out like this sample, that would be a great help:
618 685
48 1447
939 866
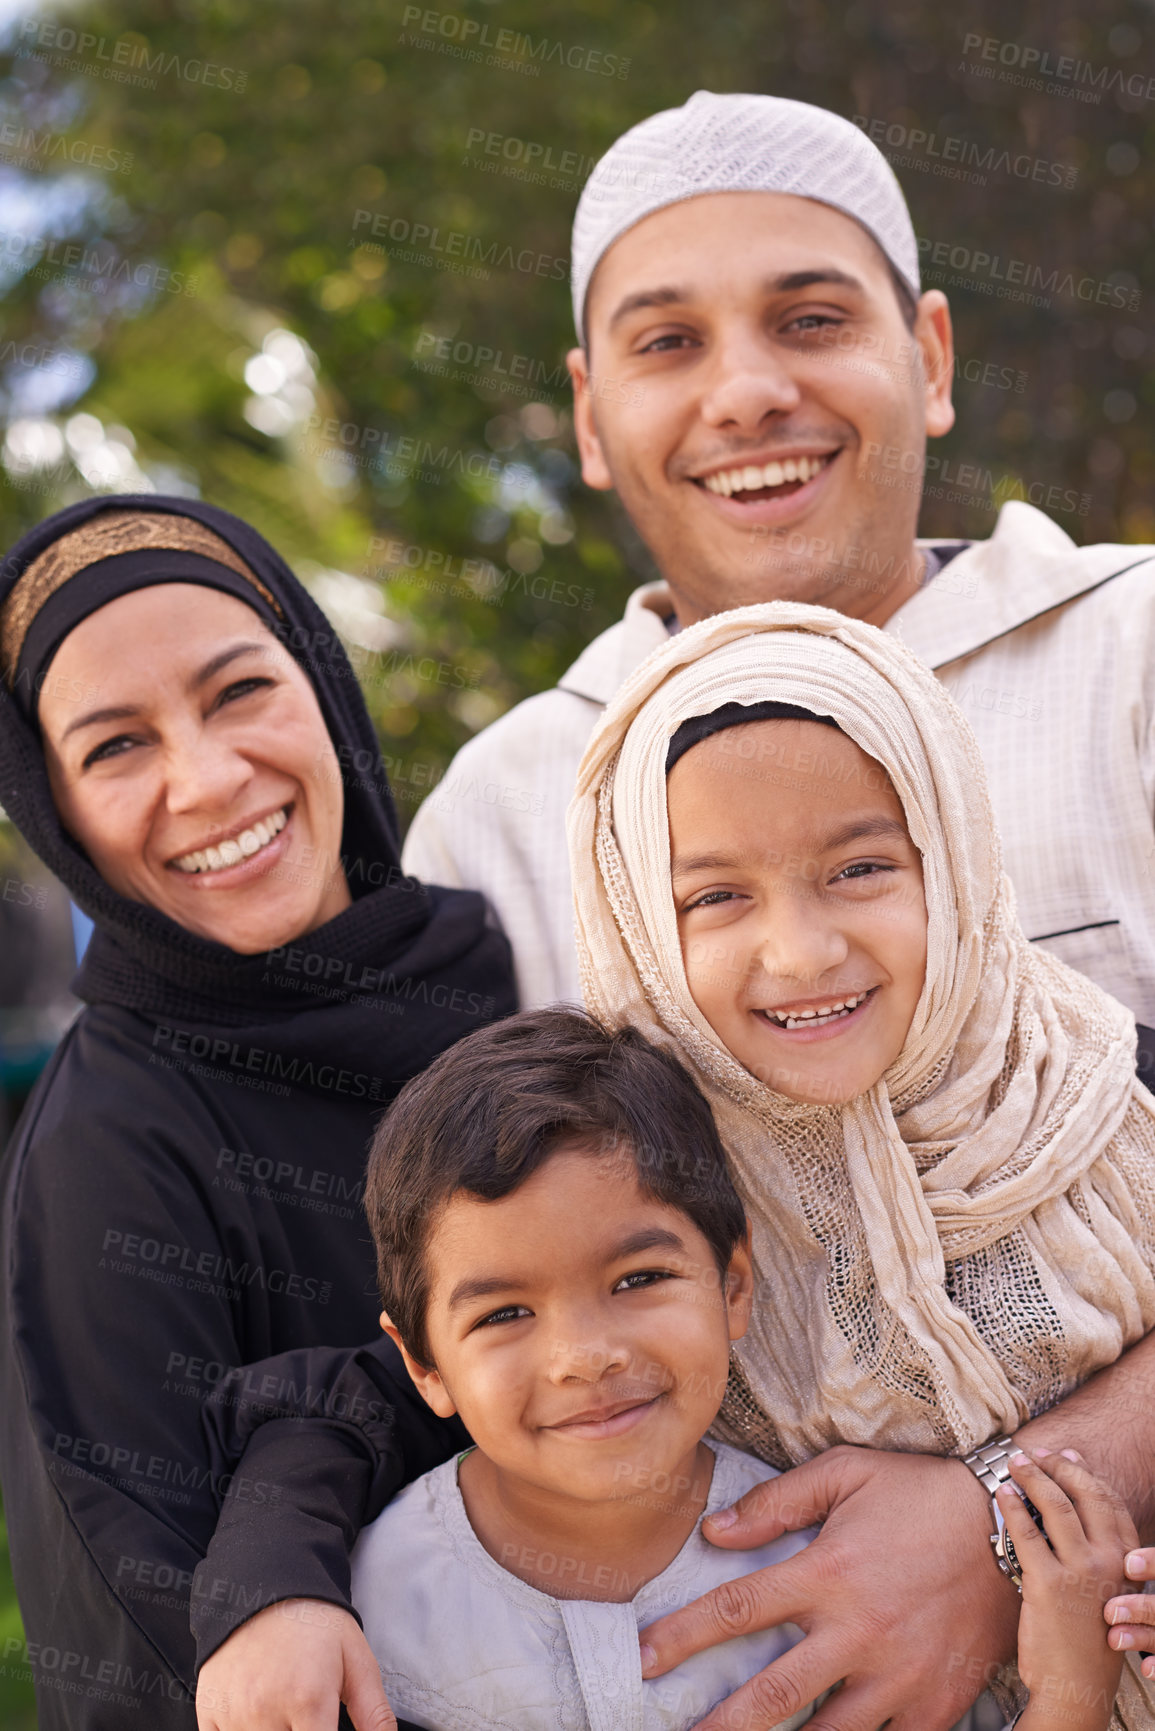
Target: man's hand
288 1669
899 1595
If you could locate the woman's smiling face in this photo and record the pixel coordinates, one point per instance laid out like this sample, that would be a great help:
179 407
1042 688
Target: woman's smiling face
800 905
189 758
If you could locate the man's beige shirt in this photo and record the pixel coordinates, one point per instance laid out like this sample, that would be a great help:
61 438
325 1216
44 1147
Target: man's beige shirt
1050 650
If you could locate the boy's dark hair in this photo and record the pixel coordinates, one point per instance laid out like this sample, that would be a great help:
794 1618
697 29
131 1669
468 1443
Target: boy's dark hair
493 1108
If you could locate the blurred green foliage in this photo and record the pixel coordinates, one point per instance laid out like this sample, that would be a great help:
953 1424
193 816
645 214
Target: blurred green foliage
231 195
354 115
17 1712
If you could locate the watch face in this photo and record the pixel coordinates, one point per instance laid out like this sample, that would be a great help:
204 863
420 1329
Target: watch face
1005 1549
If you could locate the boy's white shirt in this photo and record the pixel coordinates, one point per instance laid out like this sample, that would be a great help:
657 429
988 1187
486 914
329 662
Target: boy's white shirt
1048 648
463 1645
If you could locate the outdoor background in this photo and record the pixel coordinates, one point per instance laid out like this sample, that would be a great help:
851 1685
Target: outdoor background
308 260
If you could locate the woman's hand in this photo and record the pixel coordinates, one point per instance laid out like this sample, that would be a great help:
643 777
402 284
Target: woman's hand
898 1594
1064 1658
1132 1616
288 1669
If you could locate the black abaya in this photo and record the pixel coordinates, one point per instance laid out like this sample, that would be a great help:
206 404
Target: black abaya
183 1196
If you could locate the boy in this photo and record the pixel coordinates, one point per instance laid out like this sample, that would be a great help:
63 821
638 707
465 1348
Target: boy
563 1262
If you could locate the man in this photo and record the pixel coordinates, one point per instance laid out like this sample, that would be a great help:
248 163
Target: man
746 281
757 305
757 377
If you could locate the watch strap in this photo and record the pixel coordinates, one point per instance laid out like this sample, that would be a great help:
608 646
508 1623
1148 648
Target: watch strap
991 1463
991 1466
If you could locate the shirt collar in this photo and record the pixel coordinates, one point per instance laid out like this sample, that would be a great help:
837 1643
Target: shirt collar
1026 568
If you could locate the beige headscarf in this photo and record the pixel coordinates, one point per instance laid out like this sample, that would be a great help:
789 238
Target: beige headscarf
962 1245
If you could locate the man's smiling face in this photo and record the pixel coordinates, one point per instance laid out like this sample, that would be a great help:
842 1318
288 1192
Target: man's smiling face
737 340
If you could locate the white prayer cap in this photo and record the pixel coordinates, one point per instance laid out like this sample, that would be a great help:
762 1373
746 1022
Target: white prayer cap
739 144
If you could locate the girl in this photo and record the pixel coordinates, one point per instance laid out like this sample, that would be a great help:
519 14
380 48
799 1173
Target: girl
956 1166
948 1164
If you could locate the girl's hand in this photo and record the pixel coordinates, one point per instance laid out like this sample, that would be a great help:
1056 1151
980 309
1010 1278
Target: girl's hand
288 1669
1133 1616
1064 1658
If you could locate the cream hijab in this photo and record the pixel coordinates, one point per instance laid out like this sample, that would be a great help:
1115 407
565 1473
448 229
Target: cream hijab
965 1243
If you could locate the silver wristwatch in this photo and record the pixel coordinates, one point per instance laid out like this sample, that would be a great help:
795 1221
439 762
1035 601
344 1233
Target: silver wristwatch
991 1466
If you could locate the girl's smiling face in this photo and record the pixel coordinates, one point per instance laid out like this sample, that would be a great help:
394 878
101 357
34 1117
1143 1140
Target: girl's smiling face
800 905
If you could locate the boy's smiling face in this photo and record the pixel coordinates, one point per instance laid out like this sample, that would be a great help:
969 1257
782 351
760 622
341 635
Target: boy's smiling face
797 889
580 1328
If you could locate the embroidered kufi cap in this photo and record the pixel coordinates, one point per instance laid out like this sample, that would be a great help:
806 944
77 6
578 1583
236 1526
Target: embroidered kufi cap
739 144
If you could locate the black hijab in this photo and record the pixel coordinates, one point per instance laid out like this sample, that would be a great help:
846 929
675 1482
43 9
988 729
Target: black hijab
696 728
357 1005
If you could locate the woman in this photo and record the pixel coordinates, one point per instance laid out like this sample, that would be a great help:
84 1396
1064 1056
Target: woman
786 870
183 1194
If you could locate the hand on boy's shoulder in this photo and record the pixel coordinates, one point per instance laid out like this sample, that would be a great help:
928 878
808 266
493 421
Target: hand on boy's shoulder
900 1572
